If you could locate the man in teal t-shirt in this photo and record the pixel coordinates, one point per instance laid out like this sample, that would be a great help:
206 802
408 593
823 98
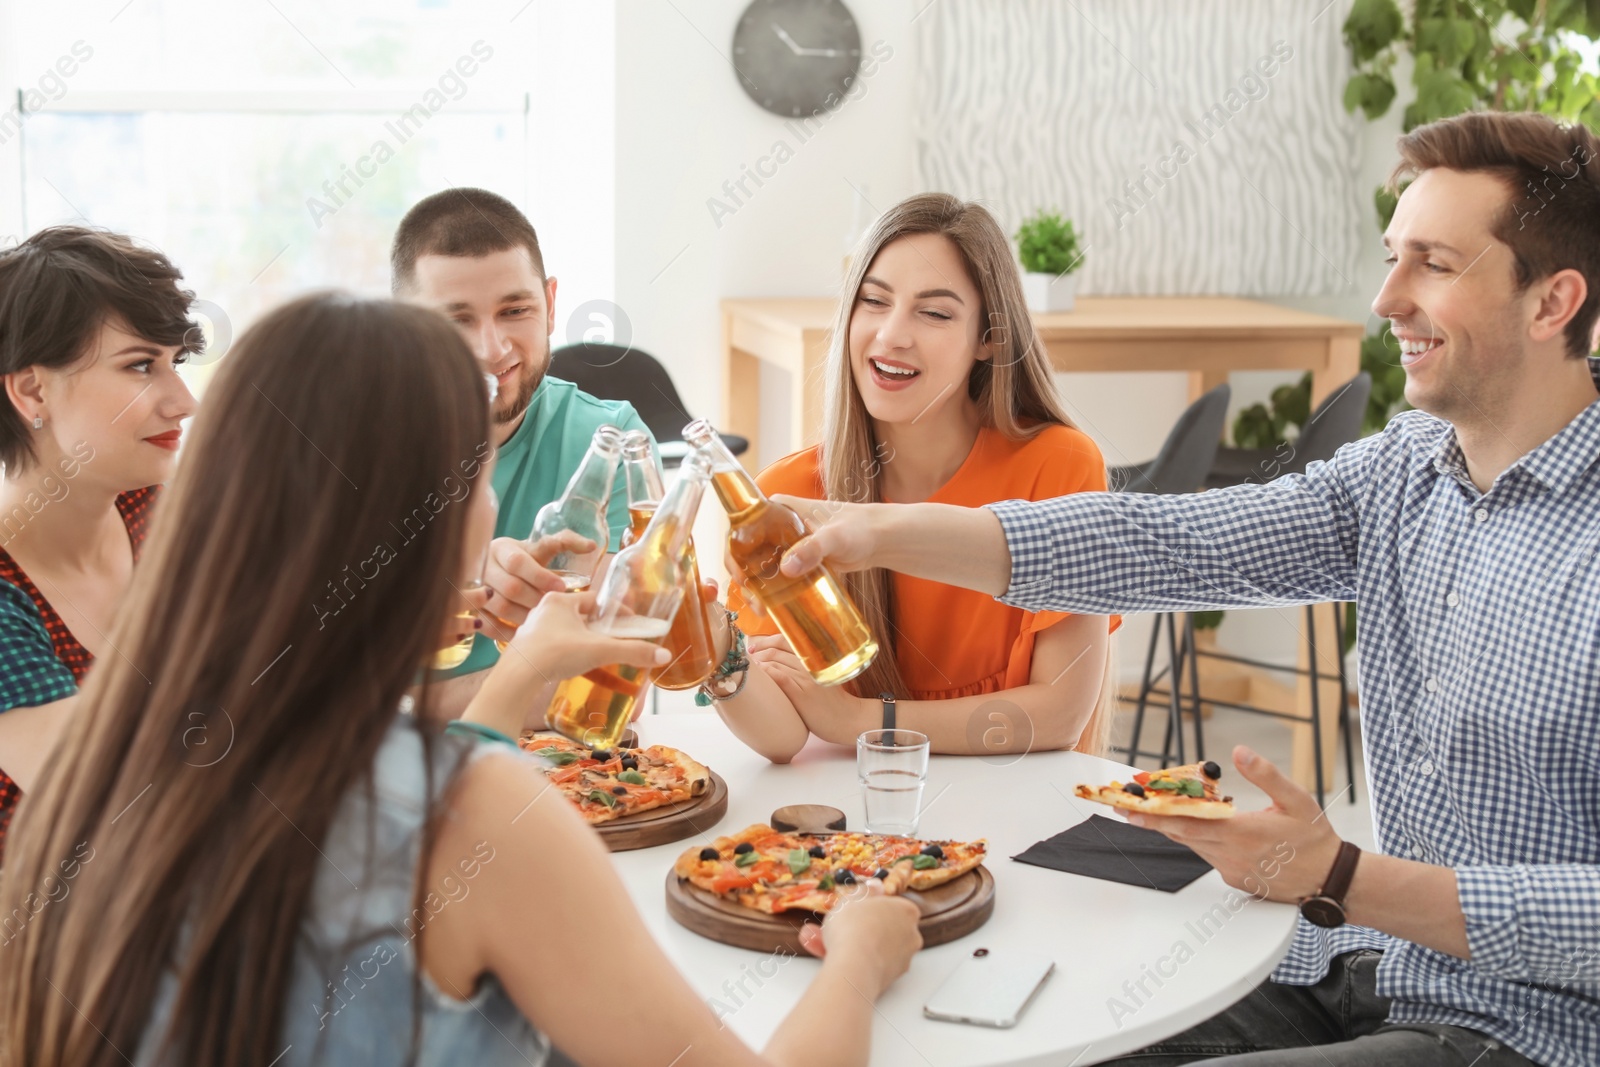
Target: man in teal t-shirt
473 256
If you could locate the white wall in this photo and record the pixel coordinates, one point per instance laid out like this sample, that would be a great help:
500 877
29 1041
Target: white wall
684 127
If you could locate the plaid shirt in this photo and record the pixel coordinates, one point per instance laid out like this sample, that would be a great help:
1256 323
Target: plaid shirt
1480 685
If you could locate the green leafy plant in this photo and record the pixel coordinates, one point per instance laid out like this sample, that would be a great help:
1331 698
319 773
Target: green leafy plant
1504 55
1047 244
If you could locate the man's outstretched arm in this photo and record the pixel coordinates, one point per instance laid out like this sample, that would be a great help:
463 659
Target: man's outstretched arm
1290 542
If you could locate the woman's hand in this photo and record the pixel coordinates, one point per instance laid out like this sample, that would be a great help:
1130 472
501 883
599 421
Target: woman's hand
870 932
829 711
557 641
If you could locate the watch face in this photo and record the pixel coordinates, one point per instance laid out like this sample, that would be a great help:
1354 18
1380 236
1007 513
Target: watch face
1322 911
796 57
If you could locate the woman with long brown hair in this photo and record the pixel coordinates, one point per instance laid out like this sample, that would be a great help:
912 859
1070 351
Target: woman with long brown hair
326 879
938 389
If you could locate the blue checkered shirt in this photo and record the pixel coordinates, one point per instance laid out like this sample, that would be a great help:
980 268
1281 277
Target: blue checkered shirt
1480 685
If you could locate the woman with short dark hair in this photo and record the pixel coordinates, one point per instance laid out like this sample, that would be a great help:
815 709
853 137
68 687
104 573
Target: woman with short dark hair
92 330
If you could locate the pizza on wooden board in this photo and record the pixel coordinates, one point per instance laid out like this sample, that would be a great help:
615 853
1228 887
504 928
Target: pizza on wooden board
1190 790
610 784
772 871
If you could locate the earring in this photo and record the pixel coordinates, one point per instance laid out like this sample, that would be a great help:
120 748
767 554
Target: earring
38 422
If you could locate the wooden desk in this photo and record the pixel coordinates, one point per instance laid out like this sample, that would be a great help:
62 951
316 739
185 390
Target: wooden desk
1206 337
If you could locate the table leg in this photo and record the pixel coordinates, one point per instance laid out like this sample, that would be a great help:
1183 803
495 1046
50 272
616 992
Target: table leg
741 405
1202 382
1343 363
805 426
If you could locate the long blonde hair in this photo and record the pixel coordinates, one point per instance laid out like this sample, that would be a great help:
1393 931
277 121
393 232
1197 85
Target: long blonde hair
1013 389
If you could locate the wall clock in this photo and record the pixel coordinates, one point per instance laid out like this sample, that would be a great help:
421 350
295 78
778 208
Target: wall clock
796 57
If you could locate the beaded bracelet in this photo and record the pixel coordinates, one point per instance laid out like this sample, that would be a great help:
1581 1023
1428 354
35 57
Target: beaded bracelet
735 662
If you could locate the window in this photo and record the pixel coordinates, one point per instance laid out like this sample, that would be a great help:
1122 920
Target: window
270 148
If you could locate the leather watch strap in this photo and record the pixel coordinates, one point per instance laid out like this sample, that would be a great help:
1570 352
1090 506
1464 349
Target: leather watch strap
1343 870
1325 907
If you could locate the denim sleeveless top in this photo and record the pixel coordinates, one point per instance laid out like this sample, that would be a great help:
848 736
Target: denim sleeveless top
350 997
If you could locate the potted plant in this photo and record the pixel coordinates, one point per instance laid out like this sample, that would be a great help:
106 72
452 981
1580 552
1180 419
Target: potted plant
1047 245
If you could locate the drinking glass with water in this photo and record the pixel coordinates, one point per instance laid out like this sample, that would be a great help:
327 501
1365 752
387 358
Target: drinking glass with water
893 768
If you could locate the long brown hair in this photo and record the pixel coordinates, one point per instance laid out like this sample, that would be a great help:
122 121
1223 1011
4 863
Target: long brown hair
1013 389
332 421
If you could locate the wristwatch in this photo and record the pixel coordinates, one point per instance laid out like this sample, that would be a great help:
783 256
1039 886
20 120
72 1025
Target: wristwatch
1325 908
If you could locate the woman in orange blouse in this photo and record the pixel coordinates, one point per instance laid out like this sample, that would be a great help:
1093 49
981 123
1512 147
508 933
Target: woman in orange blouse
938 389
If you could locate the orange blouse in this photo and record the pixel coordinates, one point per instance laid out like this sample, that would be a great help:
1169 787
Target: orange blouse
954 642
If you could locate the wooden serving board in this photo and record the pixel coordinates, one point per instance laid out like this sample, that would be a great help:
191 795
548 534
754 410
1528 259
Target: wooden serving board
949 911
660 826
674 822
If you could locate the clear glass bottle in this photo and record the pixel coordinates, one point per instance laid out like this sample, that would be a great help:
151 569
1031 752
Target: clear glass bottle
581 510
694 654
641 593
811 610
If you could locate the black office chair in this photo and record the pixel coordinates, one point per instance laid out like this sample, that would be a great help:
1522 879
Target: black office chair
1335 423
1186 456
1180 467
613 372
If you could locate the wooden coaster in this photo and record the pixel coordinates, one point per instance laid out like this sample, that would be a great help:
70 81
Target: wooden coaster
662 826
807 819
949 911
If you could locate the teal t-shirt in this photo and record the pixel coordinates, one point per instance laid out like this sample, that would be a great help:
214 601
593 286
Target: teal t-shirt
537 462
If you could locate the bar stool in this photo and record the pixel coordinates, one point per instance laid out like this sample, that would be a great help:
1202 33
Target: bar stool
1185 459
1335 423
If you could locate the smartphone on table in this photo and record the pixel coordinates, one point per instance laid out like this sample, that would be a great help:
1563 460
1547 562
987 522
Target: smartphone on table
990 988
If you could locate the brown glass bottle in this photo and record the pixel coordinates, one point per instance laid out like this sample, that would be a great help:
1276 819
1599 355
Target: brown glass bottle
811 610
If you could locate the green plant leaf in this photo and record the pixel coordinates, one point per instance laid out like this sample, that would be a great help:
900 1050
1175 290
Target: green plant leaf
1372 93
1048 244
1371 27
1252 428
1386 202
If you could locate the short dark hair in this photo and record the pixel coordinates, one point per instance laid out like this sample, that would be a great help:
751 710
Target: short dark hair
1544 165
459 222
56 290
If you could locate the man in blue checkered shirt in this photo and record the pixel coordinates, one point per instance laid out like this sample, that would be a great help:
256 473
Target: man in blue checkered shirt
1468 532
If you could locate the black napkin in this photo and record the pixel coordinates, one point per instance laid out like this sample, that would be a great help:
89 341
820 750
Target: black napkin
1118 852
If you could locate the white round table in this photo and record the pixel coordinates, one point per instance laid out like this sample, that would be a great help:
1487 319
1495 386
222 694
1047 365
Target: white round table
1133 965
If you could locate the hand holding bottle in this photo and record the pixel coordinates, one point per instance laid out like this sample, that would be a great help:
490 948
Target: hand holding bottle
518 578
558 642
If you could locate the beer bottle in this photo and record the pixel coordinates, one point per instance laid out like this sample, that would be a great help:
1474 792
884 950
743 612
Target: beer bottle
581 509
811 610
694 654
642 591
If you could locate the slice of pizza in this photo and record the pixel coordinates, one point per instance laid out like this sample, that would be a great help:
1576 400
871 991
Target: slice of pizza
1190 790
771 871
610 784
